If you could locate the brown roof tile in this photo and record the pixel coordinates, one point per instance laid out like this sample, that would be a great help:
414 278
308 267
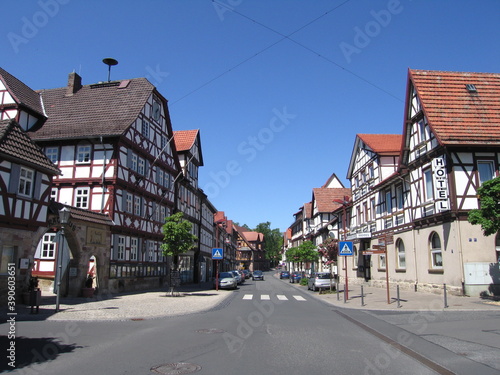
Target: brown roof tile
383 143
184 139
455 115
324 198
16 144
94 110
21 92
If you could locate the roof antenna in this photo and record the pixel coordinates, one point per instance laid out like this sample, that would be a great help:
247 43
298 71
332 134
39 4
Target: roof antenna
109 62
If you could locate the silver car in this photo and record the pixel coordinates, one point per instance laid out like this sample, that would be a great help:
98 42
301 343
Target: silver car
319 280
226 281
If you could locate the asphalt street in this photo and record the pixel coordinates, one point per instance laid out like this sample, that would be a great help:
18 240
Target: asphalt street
268 326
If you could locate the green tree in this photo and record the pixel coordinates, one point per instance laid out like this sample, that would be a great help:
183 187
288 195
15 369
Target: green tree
307 252
488 215
177 239
273 242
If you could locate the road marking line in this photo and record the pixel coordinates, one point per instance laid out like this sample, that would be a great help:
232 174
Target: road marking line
299 298
248 296
281 297
265 297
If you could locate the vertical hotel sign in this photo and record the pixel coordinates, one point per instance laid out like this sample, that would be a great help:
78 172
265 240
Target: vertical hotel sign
440 180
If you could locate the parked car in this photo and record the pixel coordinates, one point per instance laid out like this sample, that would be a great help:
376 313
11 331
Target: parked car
227 281
258 275
295 277
247 274
319 280
237 276
284 275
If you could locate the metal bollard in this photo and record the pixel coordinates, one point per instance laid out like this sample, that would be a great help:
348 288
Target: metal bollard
362 296
445 297
338 291
397 290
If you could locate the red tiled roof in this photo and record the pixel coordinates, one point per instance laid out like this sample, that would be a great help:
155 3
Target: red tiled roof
15 143
324 198
455 115
184 139
94 110
22 94
383 143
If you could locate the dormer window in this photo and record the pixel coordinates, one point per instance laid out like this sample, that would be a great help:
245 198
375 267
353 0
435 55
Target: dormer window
471 88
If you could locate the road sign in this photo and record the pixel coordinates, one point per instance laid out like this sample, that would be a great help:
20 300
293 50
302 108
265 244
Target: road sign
346 248
373 252
217 254
379 247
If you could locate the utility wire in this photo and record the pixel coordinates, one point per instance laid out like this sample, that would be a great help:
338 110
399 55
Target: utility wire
258 53
283 37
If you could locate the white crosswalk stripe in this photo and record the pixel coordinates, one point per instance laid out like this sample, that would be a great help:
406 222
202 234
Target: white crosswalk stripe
267 297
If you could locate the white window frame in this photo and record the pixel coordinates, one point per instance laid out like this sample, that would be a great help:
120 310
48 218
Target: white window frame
141 166
120 254
490 164
435 251
53 154
134 245
48 250
401 254
145 128
82 197
26 181
428 184
129 203
133 162
137 205
83 154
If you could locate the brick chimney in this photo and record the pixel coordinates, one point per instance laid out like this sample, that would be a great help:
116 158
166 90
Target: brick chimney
74 84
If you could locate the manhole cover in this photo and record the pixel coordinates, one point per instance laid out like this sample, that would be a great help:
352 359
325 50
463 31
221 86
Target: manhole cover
210 330
176 368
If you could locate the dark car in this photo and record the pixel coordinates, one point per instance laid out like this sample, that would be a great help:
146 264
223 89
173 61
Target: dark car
284 275
295 277
258 275
247 274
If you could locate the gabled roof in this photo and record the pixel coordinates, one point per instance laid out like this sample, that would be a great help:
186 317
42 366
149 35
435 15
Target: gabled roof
324 198
94 110
21 93
15 144
456 115
383 144
184 139
333 182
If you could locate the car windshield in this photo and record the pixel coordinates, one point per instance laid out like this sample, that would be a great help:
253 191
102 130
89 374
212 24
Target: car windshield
323 276
225 275
257 272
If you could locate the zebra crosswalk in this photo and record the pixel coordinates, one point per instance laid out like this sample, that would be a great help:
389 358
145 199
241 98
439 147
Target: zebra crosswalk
267 297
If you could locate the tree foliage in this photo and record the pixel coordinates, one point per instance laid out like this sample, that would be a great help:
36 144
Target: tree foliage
305 252
273 241
178 238
488 215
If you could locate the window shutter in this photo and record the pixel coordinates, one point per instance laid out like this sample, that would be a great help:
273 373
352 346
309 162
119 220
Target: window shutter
38 185
14 178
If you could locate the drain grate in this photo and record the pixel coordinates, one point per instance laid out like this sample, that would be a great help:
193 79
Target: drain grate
176 368
210 330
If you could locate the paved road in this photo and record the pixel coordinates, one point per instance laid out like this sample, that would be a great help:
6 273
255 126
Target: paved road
263 327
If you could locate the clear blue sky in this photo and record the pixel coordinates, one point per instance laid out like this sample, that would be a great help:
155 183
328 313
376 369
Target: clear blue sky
278 88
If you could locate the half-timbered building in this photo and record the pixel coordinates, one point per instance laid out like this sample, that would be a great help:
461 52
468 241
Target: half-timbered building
113 143
417 210
25 182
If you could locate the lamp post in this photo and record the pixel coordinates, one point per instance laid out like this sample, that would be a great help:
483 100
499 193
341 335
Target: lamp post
63 219
344 202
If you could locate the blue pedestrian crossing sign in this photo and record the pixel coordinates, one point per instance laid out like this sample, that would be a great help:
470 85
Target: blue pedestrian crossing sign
346 248
217 254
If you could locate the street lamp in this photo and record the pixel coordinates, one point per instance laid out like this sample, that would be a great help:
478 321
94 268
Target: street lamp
63 219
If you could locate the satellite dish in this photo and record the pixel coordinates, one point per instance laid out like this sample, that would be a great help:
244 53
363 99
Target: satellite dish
109 62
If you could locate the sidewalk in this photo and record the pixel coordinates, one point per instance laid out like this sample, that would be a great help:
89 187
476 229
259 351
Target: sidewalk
375 298
192 298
